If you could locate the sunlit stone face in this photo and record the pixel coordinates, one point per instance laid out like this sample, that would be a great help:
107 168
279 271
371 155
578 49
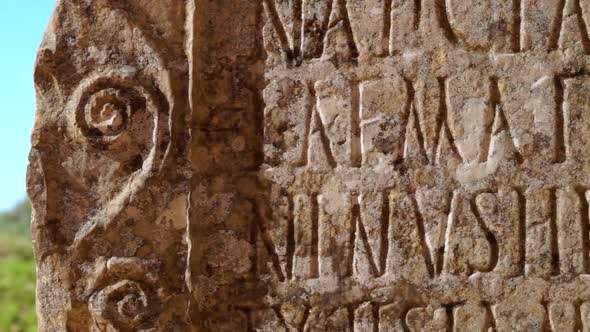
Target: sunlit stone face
330 165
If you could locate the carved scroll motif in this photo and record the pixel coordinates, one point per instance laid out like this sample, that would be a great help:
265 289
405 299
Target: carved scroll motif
108 177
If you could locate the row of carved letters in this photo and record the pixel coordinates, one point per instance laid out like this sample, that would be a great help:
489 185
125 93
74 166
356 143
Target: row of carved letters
368 316
540 233
366 125
305 37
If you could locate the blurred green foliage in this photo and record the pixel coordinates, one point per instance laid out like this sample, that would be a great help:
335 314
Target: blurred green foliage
17 271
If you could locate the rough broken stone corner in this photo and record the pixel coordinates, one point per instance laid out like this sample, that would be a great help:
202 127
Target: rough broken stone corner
328 165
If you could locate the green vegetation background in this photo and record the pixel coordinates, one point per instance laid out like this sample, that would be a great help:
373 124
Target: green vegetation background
17 271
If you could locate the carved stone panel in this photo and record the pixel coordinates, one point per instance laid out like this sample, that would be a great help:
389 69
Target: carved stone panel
110 174
313 165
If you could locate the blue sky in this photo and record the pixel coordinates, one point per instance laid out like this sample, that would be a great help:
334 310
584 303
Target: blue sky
22 24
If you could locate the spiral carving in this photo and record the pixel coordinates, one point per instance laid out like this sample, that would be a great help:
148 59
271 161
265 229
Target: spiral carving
122 121
127 296
108 112
108 107
124 304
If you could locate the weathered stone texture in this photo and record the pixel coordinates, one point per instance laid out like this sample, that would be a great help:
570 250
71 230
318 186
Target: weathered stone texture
313 165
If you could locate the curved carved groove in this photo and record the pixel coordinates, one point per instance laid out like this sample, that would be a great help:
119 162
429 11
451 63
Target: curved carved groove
106 110
125 294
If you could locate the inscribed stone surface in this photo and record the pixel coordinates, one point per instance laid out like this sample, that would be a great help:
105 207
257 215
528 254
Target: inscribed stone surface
313 165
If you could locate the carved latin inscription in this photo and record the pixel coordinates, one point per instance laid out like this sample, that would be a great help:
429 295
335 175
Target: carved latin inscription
388 121
326 165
